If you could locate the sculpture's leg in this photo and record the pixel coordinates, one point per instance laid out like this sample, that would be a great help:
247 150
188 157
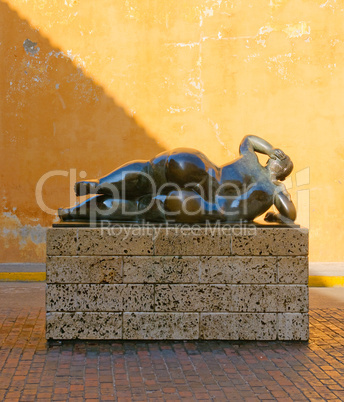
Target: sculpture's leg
100 207
189 206
86 187
128 181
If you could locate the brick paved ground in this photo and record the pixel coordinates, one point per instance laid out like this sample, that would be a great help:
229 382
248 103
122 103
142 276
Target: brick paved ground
92 371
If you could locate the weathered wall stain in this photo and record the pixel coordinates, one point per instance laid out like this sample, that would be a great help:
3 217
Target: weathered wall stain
24 233
31 48
28 239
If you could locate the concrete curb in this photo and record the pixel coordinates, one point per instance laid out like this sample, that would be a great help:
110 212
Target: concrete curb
326 281
22 276
25 272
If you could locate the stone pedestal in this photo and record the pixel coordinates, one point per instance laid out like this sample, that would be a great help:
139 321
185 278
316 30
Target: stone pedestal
141 282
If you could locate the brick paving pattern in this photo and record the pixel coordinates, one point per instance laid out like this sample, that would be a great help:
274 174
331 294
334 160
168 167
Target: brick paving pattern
31 370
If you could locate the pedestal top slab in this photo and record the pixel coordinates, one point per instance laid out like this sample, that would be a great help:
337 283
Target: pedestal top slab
182 240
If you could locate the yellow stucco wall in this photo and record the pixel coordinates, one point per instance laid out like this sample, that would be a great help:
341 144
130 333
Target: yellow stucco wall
114 80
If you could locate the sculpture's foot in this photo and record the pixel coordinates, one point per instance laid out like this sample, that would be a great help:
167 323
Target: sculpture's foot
64 214
86 187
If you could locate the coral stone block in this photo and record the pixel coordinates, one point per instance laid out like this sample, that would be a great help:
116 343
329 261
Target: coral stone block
150 282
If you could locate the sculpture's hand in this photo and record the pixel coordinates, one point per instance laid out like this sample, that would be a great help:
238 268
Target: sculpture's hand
278 218
271 217
277 154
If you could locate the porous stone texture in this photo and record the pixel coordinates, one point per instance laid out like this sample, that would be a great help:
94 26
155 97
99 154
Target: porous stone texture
99 297
61 241
193 298
145 282
83 269
226 269
159 269
271 241
193 241
270 298
117 241
84 325
160 326
235 326
293 326
293 270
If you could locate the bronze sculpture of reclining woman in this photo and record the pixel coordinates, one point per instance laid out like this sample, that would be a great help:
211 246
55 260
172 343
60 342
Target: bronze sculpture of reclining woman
183 185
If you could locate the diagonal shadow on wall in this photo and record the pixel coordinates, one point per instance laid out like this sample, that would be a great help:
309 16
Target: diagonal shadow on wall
52 117
55 117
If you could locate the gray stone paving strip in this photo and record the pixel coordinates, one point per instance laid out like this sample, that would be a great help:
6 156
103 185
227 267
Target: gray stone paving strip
19 267
326 268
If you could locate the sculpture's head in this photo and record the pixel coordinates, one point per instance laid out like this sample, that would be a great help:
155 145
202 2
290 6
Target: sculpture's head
280 168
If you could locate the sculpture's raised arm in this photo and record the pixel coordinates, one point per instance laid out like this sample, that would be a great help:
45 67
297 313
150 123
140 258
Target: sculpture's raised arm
257 144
